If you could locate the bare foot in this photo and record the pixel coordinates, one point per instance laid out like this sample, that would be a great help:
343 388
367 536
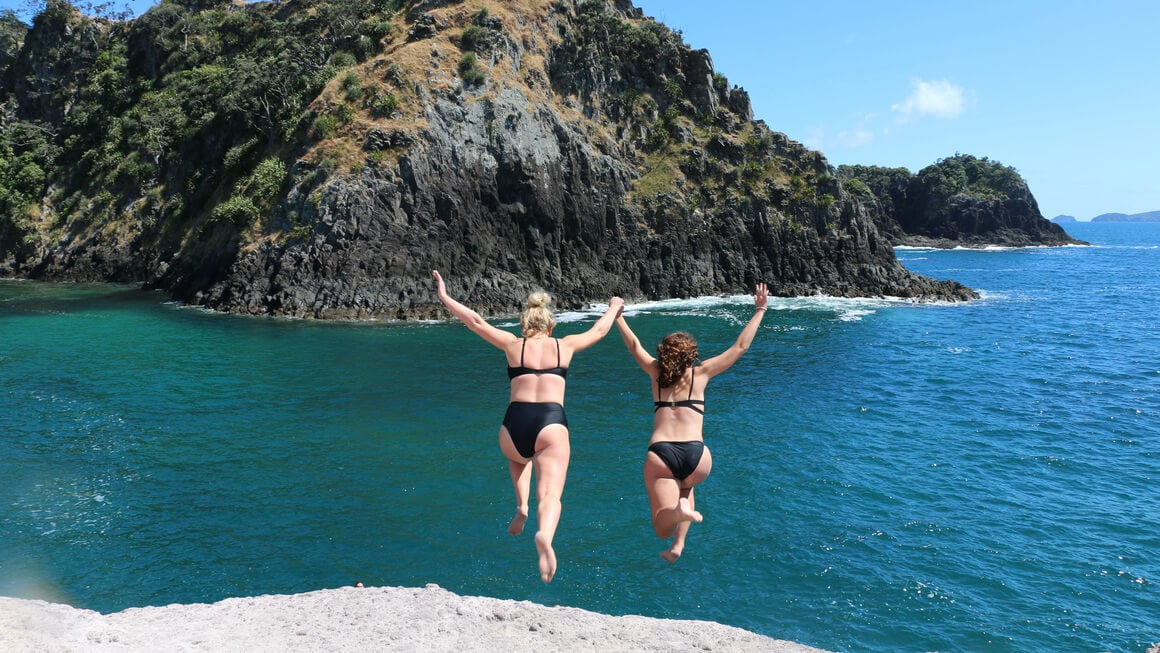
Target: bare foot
687 513
547 558
676 548
517 525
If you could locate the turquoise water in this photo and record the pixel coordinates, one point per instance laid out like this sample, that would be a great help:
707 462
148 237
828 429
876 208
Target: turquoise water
888 476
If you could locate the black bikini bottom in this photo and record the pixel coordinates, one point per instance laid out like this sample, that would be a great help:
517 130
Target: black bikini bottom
681 458
525 419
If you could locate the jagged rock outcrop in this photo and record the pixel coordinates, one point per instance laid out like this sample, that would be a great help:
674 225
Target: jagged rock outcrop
961 201
12 33
574 146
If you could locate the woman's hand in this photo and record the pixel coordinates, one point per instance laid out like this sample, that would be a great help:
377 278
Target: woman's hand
470 318
761 297
616 305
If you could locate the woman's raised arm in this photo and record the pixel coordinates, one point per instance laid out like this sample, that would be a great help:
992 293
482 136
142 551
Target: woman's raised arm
582 341
470 318
639 353
726 359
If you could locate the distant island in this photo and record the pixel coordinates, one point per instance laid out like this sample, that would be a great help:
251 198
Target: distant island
1150 216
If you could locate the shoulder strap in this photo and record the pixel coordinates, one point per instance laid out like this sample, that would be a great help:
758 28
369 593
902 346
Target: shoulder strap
522 347
693 378
557 352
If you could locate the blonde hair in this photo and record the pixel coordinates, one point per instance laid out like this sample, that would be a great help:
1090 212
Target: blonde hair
537 317
675 354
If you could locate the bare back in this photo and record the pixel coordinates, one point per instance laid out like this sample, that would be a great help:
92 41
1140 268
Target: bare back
538 353
679 423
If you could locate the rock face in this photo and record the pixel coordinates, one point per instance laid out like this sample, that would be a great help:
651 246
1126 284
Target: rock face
12 33
962 201
577 147
534 204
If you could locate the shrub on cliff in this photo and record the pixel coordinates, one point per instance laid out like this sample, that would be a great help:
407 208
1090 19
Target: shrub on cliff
469 70
237 210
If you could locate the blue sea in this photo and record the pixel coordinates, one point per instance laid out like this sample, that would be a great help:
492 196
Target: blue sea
888 476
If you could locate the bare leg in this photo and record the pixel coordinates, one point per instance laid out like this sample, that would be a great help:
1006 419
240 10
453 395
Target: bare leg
671 501
551 463
522 482
667 519
521 473
667 500
681 531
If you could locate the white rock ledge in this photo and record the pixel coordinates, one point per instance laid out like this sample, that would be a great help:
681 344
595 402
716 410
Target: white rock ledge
362 619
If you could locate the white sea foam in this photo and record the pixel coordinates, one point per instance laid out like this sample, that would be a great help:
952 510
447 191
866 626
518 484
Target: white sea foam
986 295
846 309
579 316
1000 248
984 248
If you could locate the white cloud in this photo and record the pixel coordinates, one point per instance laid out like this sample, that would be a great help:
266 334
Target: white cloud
818 138
855 137
815 138
938 99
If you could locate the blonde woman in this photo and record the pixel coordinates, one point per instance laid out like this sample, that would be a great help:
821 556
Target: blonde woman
534 434
677 459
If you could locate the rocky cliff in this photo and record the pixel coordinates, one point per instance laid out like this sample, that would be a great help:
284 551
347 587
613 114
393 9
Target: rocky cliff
12 33
961 201
579 147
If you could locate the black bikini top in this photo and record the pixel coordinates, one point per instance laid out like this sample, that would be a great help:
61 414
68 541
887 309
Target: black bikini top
561 372
695 404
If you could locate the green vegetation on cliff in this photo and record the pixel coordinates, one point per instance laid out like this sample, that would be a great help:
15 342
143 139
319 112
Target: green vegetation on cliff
167 119
675 109
960 200
178 121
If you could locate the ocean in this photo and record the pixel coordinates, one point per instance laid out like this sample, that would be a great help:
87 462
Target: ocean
888 476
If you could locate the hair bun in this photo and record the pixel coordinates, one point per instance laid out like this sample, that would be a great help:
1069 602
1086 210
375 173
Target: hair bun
539 299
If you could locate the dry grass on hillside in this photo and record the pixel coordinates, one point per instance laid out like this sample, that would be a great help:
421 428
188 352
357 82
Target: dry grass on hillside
411 71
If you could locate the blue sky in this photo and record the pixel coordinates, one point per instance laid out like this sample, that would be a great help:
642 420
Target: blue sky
1067 92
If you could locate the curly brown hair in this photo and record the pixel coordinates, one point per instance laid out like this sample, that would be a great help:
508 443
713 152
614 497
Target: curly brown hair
675 354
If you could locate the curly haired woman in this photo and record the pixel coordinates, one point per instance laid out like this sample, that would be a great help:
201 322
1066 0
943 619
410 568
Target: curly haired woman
677 459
